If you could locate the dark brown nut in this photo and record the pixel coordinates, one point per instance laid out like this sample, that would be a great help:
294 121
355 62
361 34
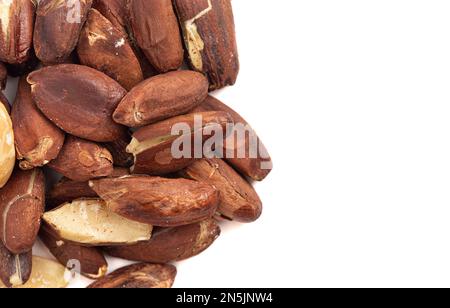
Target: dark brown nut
88 261
238 199
156 31
115 11
15 270
7 150
89 222
79 100
170 244
162 97
118 150
158 201
238 150
19 70
16 31
22 203
210 39
3 76
37 140
138 276
152 145
82 160
4 101
107 49
57 28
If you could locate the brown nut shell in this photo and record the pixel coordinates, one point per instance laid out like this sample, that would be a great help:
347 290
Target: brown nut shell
118 150
3 76
15 270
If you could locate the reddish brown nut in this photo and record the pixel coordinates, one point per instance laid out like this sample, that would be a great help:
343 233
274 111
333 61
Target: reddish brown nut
79 100
158 201
153 146
238 147
16 30
21 207
3 76
238 199
162 97
88 261
138 276
4 101
19 70
115 11
156 31
210 39
107 49
118 149
171 244
82 160
15 270
37 140
57 28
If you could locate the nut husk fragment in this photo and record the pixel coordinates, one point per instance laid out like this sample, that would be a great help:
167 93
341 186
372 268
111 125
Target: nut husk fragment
158 201
4 101
107 49
37 140
162 97
210 39
170 244
138 276
89 222
57 28
3 76
90 260
82 160
15 270
78 99
16 30
7 150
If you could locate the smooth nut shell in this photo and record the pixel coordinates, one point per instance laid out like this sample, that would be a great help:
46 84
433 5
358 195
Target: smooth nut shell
67 190
15 270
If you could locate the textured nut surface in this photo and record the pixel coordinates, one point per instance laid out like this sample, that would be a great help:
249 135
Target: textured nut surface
89 222
107 49
3 76
57 28
82 160
170 244
162 97
156 31
37 140
16 30
158 201
210 39
7 151
115 11
79 100
138 276
21 207
15 270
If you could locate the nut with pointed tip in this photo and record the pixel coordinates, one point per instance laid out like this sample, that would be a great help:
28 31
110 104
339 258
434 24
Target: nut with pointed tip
15 270
7 150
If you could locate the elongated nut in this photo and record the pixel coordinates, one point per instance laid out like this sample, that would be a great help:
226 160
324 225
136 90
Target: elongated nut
16 30
21 207
138 276
90 223
3 76
118 150
15 270
7 151
162 97
107 49
82 160
171 145
155 28
57 28
170 244
37 140
4 101
115 11
88 261
210 39
158 201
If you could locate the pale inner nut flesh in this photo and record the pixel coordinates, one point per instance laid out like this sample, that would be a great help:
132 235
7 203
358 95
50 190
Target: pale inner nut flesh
7 150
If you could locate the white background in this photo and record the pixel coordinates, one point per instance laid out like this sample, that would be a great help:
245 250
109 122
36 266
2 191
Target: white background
352 98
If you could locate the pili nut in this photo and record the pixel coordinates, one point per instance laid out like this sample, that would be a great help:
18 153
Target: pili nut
78 99
118 150
210 39
115 11
90 223
237 150
162 97
4 101
82 160
158 201
107 49
238 199
18 70
170 244
16 30
57 28
37 140
21 206
156 31
7 150
3 76
152 145
88 261
15 270
138 276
